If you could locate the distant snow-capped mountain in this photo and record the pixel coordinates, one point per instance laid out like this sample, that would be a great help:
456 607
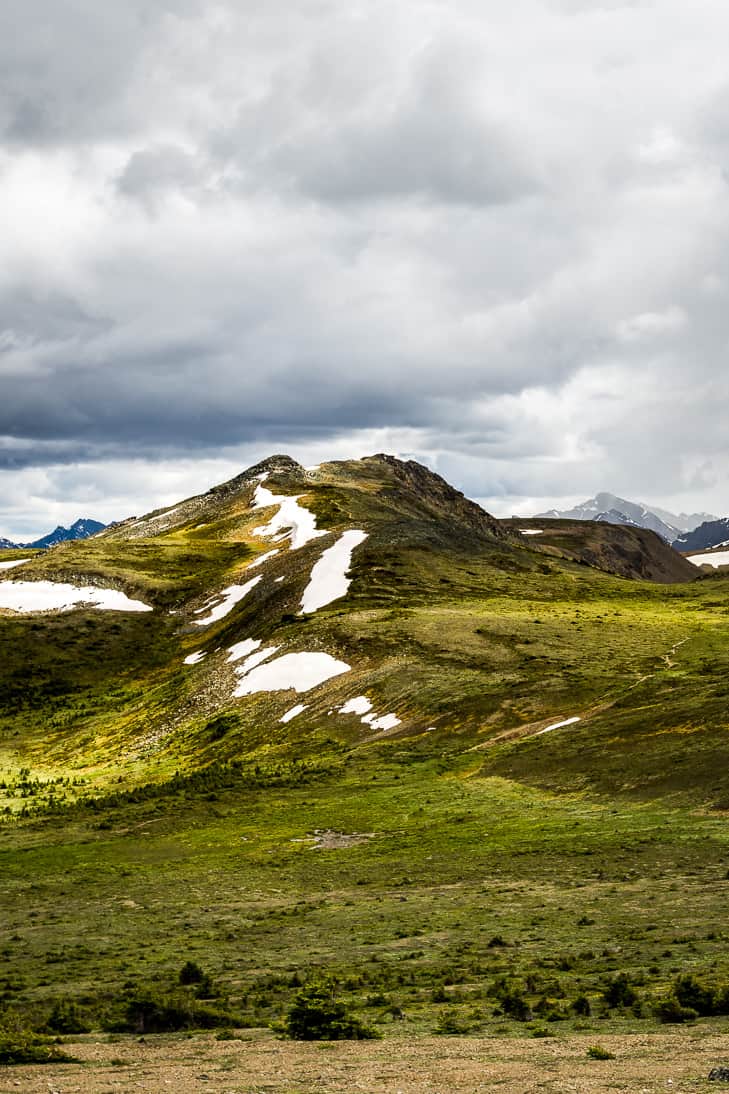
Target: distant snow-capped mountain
711 533
615 510
80 529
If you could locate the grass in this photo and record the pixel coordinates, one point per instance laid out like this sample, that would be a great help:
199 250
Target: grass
149 819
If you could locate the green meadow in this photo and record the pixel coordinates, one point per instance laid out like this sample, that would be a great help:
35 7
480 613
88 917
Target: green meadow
465 872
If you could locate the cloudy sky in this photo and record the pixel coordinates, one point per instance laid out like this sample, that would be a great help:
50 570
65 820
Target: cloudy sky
493 237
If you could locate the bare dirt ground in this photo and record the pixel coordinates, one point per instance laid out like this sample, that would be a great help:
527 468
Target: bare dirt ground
668 1062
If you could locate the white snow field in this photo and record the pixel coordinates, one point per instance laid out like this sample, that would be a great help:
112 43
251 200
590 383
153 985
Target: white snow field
557 725
329 579
291 519
231 596
16 562
300 671
718 558
194 658
532 531
298 709
45 596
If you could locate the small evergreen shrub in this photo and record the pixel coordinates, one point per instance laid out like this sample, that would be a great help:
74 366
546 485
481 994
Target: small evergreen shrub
316 1015
20 1045
66 1018
451 1024
620 992
597 1052
670 1010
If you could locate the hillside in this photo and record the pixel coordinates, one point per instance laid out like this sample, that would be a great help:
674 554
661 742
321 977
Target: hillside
340 720
629 552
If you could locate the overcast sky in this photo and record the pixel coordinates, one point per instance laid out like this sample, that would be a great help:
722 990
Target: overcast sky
493 237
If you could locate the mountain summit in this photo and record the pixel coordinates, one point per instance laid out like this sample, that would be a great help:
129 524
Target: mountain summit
358 584
615 510
80 529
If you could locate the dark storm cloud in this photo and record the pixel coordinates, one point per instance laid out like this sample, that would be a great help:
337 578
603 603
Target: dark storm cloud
498 241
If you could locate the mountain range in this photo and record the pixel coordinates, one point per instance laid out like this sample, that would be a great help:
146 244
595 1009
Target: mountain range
712 533
615 510
80 529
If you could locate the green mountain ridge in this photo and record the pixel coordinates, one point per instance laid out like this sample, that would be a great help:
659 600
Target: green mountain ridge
438 626
514 784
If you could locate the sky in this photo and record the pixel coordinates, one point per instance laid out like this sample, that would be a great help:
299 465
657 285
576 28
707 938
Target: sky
491 237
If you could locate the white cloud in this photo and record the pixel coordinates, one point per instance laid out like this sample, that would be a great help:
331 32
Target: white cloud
496 240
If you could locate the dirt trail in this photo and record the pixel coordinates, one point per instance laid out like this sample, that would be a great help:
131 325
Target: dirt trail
677 1061
533 729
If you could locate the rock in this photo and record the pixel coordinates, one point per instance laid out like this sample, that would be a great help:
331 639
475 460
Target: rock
719 1074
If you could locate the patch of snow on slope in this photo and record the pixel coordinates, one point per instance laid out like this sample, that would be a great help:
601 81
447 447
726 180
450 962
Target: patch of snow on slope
387 721
255 659
44 596
532 531
329 579
231 596
194 658
300 671
359 705
293 712
242 649
262 558
718 558
291 519
557 725
9 565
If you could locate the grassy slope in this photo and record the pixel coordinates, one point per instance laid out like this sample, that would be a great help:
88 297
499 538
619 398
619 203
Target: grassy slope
588 849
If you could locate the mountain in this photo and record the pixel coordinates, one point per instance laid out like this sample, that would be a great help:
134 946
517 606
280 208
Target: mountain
712 533
615 510
339 722
616 547
80 529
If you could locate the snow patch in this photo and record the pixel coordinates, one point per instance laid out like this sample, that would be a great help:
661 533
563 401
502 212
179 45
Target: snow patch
717 558
291 519
231 596
329 579
300 671
557 725
532 531
16 562
387 721
256 658
44 596
359 705
293 712
262 558
194 658
362 706
242 649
